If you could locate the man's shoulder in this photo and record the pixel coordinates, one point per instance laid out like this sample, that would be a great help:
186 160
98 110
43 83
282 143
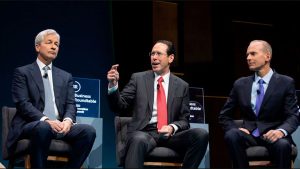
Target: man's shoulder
283 77
178 79
61 71
244 79
25 67
144 73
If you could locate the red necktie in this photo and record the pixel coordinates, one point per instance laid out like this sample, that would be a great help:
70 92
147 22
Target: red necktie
162 114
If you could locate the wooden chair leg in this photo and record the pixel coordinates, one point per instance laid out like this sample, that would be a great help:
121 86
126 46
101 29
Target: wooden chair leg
259 163
58 158
27 161
27 164
163 164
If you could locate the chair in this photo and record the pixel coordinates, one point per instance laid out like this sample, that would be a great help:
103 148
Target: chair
159 156
259 155
58 149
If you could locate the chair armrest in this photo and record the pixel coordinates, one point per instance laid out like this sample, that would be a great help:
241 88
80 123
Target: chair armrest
239 123
121 136
7 115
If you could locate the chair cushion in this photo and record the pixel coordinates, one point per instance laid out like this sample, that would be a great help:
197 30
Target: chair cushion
257 153
164 154
22 147
57 148
261 153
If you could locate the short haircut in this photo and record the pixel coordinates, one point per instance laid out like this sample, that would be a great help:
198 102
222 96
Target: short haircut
171 47
266 46
40 36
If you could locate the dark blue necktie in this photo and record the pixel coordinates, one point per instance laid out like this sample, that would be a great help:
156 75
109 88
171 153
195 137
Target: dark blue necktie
259 99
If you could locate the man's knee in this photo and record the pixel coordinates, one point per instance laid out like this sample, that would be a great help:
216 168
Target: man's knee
139 138
232 135
42 127
42 132
89 131
283 145
199 134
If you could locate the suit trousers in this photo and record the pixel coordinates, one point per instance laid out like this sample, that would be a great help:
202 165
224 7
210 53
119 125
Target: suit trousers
238 141
81 138
191 143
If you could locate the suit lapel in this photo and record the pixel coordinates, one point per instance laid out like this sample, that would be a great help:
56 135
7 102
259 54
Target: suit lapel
149 82
56 83
248 90
172 89
37 79
270 89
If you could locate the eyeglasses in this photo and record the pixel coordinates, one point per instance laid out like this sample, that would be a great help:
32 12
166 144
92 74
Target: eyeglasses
156 53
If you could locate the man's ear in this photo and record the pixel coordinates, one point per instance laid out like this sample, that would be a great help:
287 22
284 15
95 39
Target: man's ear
37 47
171 58
268 56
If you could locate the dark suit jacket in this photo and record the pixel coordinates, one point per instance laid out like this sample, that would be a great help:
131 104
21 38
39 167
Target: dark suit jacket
139 93
278 110
29 96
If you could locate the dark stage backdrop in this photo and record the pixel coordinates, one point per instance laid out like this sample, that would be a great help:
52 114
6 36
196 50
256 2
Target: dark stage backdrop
86 47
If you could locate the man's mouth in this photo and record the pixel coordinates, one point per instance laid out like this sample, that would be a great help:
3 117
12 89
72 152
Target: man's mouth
250 64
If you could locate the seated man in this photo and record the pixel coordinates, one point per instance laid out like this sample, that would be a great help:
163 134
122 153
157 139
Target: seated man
160 104
268 106
45 102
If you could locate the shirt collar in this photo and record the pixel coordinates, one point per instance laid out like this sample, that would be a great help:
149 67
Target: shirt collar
166 77
42 65
266 78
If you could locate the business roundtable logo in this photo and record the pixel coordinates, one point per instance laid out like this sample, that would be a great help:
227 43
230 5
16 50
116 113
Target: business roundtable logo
76 86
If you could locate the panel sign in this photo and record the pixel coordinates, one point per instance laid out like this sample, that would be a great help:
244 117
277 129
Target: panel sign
197 105
298 98
87 97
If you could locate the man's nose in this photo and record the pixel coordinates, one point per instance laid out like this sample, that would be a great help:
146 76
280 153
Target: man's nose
248 57
53 46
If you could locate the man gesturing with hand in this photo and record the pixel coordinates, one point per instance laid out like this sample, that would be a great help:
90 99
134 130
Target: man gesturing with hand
159 102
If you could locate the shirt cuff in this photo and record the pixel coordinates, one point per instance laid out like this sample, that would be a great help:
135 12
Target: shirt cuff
174 127
112 89
284 132
68 118
44 118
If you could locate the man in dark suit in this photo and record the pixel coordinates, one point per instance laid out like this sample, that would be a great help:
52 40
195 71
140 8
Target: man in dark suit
46 110
268 106
142 93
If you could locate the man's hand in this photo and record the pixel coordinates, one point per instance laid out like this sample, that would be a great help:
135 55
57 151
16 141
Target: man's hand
56 125
113 76
67 124
273 135
244 130
167 129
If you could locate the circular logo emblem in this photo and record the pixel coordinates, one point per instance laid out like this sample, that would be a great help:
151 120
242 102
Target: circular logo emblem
76 86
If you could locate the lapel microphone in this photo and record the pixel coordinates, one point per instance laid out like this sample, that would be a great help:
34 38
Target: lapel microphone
45 75
157 86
